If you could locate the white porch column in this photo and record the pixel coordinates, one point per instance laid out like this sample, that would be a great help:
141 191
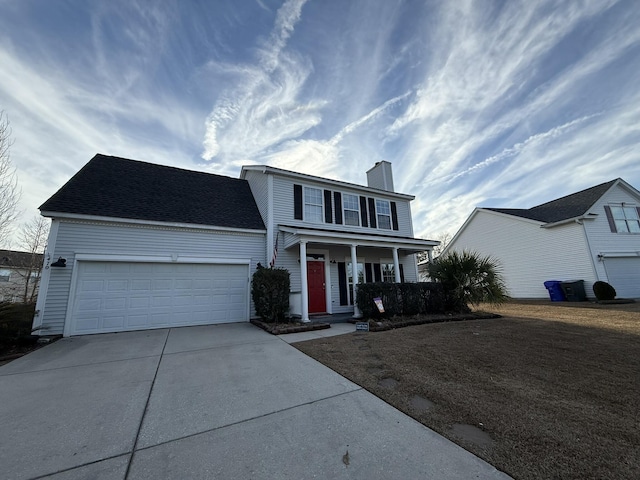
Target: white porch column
304 289
396 264
430 255
354 276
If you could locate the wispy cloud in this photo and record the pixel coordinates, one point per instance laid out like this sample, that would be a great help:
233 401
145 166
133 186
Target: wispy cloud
475 103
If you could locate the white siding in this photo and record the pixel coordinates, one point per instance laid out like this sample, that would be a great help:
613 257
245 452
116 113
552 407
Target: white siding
529 255
259 189
107 238
283 208
604 242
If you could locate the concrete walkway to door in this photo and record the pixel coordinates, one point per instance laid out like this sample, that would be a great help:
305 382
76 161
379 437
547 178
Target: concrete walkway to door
226 401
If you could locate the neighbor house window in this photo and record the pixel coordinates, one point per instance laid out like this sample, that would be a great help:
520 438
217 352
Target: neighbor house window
5 275
351 209
383 211
313 209
388 272
626 219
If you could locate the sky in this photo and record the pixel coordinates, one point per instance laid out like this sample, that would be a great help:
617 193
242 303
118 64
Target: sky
475 103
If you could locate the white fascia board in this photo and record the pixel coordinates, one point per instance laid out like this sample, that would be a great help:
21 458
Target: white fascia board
192 226
618 254
360 239
120 257
328 181
579 219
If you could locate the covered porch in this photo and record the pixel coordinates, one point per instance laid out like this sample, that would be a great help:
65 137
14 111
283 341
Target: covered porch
323 277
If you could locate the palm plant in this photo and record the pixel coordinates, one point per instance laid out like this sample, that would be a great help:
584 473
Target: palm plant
469 277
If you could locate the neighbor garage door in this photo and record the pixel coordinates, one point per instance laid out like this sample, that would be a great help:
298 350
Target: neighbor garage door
624 275
115 296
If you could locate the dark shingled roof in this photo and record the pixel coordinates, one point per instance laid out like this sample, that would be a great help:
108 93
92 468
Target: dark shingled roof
571 206
117 187
15 259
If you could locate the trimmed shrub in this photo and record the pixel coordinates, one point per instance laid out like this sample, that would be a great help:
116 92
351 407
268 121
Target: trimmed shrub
270 293
403 299
604 291
15 321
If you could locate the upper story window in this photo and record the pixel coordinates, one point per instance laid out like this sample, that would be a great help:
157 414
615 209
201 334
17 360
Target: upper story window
351 209
313 207
626 218
383 211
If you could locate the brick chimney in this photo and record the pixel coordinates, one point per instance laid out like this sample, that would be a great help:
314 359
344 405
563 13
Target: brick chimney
380 176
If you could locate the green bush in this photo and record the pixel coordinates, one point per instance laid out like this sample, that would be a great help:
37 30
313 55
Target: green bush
469 278
270 293
402 299
15 321
604 291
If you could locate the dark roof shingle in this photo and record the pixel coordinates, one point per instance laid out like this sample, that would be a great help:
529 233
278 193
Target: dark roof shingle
15 259
563 208
117 187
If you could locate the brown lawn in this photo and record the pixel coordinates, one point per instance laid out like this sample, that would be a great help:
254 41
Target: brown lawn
547 391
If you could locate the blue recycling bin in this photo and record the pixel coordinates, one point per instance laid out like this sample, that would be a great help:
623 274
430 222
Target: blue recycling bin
555 290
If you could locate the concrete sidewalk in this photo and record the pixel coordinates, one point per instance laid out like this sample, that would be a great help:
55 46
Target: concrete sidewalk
226 401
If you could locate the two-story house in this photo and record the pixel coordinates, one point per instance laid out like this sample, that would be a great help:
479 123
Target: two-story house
135 245
590 235
19 275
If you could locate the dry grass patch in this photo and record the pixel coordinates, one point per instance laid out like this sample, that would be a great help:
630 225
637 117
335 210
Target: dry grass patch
556 388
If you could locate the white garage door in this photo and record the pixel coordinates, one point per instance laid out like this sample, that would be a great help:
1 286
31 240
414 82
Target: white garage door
114 296
624 275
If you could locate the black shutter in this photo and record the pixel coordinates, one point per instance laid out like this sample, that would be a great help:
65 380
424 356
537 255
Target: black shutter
394 216
612 223
363 211
377 272
401 273
342 283
328 209
297 202
337 197
368 273
372 213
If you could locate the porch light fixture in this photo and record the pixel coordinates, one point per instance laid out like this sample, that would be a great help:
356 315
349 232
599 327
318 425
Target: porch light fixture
61 262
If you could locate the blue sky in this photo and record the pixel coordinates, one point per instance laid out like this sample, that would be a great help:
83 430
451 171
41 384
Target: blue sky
475 103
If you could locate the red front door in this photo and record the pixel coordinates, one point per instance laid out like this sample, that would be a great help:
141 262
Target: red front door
315 280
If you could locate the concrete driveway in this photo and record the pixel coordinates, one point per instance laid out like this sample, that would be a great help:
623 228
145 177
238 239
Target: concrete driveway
227 401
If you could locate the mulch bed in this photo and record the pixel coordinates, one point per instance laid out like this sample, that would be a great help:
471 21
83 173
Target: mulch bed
401 322
292 327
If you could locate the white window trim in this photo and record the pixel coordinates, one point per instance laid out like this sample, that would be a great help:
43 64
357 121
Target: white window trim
625 219
386 261
304 204
384 214
344 216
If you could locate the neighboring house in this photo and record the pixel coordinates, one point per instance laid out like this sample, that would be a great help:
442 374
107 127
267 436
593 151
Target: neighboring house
149 246
590 235
19 275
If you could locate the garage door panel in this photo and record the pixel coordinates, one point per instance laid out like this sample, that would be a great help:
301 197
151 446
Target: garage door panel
121 296
624 275
141 285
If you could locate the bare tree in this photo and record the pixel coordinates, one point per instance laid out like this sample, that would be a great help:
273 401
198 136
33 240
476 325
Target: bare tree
9 191
444 238
33 239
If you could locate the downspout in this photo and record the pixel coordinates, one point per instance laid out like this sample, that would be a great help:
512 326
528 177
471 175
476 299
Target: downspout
270 226
593 263
44 278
